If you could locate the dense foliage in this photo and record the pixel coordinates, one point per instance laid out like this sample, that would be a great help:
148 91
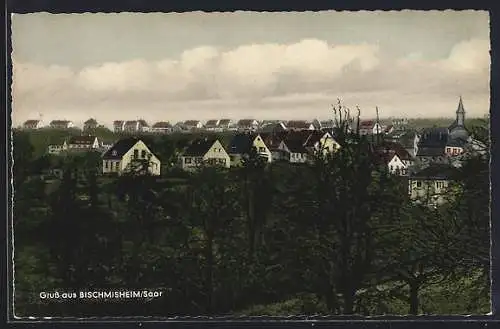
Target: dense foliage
335 237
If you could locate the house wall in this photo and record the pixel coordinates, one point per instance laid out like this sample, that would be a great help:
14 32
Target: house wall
217 152
397 166
377 128
327 144
431 191
111 166
190 162
453 150
128 157
262 148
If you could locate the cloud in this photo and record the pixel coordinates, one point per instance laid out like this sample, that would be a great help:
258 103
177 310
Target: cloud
305 76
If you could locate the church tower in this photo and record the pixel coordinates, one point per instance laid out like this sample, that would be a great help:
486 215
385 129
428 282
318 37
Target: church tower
460 120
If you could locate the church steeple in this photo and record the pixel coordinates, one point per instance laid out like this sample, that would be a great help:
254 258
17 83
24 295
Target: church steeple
460 120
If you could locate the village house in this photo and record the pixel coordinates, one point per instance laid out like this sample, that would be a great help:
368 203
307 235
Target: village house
56 149
370 127
90 124
212 125
33 124
192 125
395 157
128 155
133 126
438 144
225 124
299 125
324 124
294 151
61 124
247 125
432 184
454 147
82 143
241 145
118 126
204 151
388 130
323 142
272 126
162 127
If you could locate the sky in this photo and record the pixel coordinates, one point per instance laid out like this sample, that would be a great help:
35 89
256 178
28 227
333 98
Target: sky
173 66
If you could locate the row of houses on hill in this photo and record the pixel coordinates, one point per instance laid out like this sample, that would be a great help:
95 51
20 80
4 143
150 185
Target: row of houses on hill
432 182
215 125
82 143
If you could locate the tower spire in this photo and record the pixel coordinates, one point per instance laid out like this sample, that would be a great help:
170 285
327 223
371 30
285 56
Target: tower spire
460 113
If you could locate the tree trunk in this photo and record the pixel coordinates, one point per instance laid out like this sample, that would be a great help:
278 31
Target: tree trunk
413 300
209 279
349 297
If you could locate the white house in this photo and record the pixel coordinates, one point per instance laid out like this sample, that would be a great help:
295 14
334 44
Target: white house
212 125
82 143
118 126
61 124
193 124
370 127
162 127
129 154
299 125
205 151
247 125
294 151
33 124
242 144
431 185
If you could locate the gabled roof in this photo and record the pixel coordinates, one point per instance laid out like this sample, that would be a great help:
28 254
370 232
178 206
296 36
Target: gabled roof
396 148
81 140
314 137
191 122
366 124
162 124
430 151
273 139
199 147
297 124
224 122
246 122
31 122
131 123
90 121
241 143
120 148
456 142
118 122
436 171
211 123
433 137
143 123
59 122
295 146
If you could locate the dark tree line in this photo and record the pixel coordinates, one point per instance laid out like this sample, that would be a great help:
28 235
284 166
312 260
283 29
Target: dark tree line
338 236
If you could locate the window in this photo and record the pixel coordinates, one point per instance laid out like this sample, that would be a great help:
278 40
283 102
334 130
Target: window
187 160
262 149
106 164
419 184
136 154
117 165
391 168
143 154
